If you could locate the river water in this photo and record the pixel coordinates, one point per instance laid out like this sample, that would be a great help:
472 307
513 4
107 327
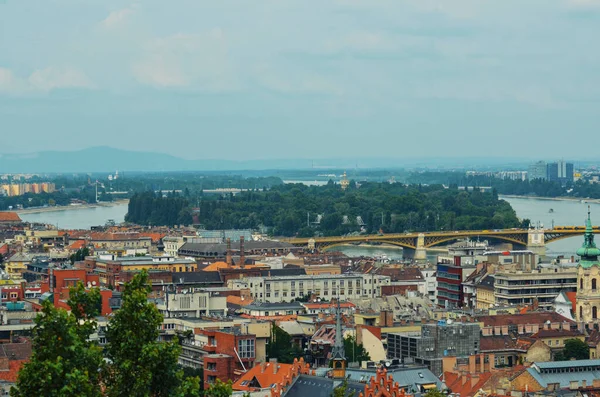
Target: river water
537 210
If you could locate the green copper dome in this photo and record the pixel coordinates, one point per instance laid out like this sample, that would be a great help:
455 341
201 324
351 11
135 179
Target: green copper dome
588 252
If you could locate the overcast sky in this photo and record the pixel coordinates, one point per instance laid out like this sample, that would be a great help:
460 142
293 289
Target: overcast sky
304 79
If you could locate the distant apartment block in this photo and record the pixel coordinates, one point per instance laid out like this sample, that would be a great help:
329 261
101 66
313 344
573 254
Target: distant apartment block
19 189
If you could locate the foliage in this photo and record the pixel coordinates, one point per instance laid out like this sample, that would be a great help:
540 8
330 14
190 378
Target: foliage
152 209
79 255
282 347
219 389
64 361
292 209
434 393
574 349
355 352
342 390
140 364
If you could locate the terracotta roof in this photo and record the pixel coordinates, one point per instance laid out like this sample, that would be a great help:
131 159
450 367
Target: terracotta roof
11 375
215 266
114 236
77 245
262 377
498 343
455 383
6 216
525 318
237 300
594 338
154 236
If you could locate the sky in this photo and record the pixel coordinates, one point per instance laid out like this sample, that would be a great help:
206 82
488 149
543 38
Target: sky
273 79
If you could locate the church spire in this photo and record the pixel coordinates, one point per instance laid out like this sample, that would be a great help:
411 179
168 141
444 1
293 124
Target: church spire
338 355
588 252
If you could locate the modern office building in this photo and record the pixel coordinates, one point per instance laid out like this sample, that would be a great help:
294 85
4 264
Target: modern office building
445 338
537 171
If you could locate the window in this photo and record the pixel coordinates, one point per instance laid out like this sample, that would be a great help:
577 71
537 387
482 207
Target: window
211 366
211 379
184 302
594 284
549 343
581 283
246 348
594 312
293 284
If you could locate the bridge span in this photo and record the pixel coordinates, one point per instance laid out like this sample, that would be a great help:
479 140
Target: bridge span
533 239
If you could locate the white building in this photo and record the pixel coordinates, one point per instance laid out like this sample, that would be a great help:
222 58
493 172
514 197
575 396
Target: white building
288 288
193 304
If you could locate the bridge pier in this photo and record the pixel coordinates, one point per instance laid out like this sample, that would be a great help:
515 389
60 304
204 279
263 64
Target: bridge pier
421 252
536 242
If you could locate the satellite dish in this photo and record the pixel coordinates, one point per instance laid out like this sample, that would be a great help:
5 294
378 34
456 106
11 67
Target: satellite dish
93 283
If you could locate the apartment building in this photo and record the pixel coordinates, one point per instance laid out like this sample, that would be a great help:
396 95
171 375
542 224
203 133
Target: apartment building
288 288
193 303
518 287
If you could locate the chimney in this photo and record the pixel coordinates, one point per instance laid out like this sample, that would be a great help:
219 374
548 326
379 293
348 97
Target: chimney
242 253
273 362
263 367
228 257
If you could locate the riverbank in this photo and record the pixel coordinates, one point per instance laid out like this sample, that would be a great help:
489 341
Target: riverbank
102 204
573 199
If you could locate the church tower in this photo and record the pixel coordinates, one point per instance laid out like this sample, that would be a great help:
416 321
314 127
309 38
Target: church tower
338 356
588 280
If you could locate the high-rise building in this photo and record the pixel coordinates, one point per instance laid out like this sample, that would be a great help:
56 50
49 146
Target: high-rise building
537 171
565 171
552 172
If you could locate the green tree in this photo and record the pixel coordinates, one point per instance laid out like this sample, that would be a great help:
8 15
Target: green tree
342 390
219 389
355 352
142 366
64 361
79 255
574 349
282 347
434 393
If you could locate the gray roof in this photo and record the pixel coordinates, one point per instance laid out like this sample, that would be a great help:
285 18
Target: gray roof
563 372
408 377
288 271
197 278
275 306
314 386
221 248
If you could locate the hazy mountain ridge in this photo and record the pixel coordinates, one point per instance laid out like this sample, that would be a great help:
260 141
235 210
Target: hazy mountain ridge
108 159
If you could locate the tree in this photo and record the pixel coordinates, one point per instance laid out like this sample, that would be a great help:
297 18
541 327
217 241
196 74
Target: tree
574 349
434 393
342 390
355 352
79 255
219 389
64 361
282 347
140 364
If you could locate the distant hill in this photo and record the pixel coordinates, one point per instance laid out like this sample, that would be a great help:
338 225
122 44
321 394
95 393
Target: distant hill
107 159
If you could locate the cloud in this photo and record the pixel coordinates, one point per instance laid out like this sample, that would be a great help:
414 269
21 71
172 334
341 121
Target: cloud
195 61
43 80
116 18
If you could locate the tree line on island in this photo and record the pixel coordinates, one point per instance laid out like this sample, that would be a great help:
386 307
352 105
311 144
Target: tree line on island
306 211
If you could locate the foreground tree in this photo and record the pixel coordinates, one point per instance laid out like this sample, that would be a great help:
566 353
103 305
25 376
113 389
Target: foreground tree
64 361
575 349
355 352
140 365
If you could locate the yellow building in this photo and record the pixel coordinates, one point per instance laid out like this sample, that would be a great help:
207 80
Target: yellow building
555 338
588 280
485 293
16 265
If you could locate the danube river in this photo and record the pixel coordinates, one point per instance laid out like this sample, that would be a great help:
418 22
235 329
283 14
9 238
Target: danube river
564 212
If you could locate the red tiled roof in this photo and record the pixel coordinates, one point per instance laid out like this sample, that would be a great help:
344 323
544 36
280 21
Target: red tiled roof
455 383
154 236
497 343
525 318
6 216
13 371
344 305
261 377
237 300
77 245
